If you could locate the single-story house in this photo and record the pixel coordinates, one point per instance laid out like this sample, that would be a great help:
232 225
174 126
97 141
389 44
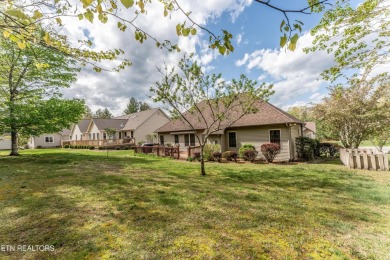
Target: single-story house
5 142
135 126
269 125
49 140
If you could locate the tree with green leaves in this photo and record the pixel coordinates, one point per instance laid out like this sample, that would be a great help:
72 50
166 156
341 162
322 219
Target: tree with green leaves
207 100
132 106
110 132
19 20
87 113
357 37
143 106
30 80
103 113
357 111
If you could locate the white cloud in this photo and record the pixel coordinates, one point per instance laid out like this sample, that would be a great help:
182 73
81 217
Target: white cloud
113 90
239 38
294 74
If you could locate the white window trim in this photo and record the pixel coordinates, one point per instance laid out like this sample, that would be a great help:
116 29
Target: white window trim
229 139
52 137
269 136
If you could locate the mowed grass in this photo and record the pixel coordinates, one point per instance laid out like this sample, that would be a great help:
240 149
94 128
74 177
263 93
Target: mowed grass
131 207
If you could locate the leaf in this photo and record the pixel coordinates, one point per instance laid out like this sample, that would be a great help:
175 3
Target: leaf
46 38
86 3
58 20
222 49
178 29
6 34
21 45
283 40
282 24
127 3
37 14
89 16
16 13
99 9
80 16
193 31
165 12
293 42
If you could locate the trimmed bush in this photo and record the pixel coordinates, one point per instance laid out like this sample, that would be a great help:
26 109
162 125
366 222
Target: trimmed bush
217 156
307 148
209 149
67 146
197 156
270 150
100 148
230 156
92 147
127 147
190 159
249 155
39 147
244 148
117 147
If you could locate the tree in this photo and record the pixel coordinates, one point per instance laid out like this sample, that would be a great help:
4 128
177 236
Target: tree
380 137
110 132
87 113
143 106
355 112
357 37
206 100
132 106
103 113
29 82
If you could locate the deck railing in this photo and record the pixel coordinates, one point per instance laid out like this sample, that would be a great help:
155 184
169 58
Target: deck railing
97 143
173 152
364 159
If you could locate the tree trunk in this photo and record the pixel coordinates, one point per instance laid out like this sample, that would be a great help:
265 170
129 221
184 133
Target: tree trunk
14 142
202 168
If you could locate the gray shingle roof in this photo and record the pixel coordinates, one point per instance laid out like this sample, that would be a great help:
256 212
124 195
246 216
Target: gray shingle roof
267 115
83 125
102 123
136 119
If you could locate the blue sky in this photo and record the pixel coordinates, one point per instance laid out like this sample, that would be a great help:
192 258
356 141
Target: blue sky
257 53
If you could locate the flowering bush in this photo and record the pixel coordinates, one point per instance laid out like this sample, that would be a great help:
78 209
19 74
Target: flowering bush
249 155
244 148
217 156
270 150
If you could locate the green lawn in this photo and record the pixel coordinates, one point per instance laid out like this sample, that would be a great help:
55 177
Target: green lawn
132 207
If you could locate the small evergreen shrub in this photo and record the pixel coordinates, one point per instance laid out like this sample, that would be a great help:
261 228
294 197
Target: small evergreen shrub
127 147
307 148
217 156
197 156
100 148
92 147
270 150
39 146
117 148
67 146
190 159
230 156
71 146
244 148
329 149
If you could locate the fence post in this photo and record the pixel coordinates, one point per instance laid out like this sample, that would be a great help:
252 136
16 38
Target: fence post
158 150
358 162
365 161
373 162
350 161
386 162
381 159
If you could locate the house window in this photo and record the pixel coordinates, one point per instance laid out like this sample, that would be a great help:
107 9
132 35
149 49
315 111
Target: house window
274 136
232 139
97 136
161 139
89 136
81 137
76 137
104 136
120 135
132 134
93 136
49 139
176 139
186 140
192 139
125 134
70 137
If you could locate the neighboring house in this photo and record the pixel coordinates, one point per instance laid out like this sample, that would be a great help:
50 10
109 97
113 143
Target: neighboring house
135 126
49 140
5 142
79 131
309 130
269 125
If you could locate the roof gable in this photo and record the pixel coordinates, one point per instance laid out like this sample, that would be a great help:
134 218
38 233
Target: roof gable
134 120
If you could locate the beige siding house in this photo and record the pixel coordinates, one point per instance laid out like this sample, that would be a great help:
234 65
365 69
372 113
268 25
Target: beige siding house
309 130
5 142
269 125
49 140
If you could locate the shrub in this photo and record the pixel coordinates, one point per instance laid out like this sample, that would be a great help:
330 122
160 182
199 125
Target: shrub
328 149
100 148
244 148
92 147
307 148
117 148
230 156
249 155
217 156
127 147
209 149
39 146
190 159
67 146
197 156
270 150
71 146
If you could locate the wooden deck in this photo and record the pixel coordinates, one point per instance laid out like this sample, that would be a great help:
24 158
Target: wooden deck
97 143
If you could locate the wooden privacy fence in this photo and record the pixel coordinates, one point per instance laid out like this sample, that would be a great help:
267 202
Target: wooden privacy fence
173 152
364 159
